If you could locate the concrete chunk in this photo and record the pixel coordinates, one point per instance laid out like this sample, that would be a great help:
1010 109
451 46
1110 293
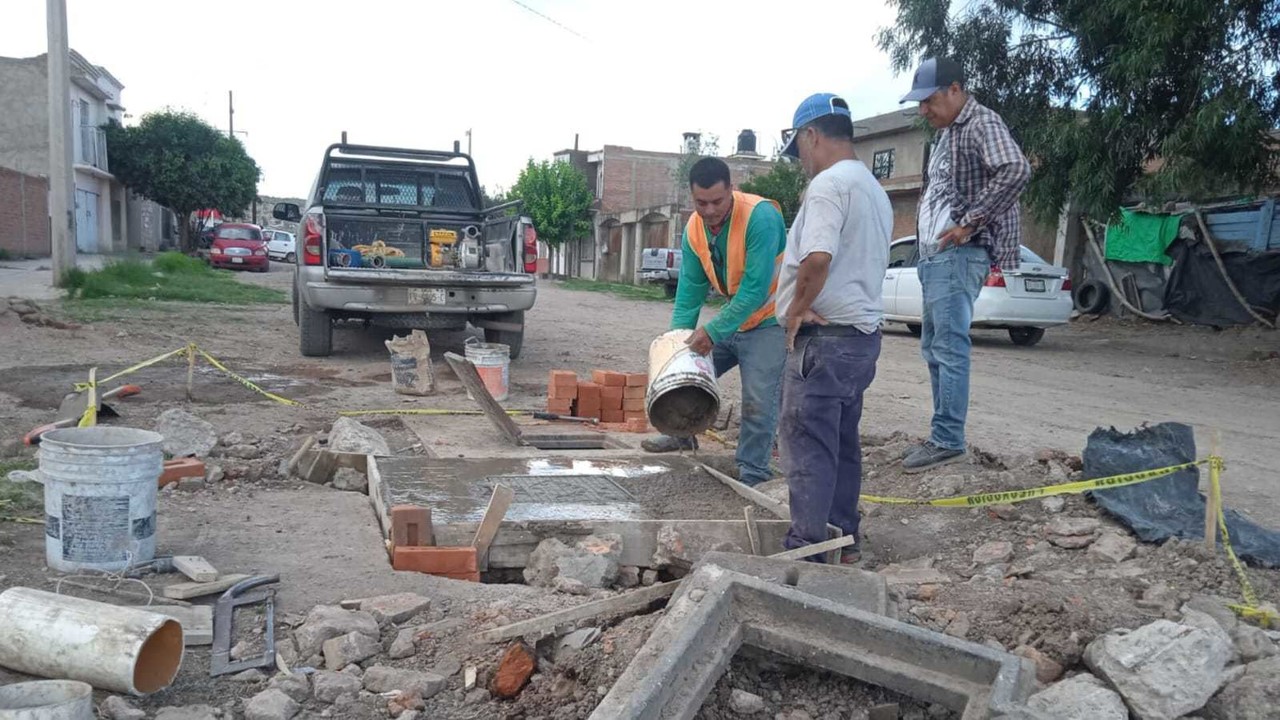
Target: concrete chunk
351 648
328 686
1083 697
1254 696
381 679
395 608
271 704
326 622
1163 669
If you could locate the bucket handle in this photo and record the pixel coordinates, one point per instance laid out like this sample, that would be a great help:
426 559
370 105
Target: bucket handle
26 476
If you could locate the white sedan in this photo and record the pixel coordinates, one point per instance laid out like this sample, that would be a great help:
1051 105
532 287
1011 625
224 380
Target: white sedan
1024 301
281 245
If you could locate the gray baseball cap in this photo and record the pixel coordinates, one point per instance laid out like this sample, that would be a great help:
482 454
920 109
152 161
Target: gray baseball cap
933 75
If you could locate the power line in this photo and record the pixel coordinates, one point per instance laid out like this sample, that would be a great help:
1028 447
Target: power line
552 20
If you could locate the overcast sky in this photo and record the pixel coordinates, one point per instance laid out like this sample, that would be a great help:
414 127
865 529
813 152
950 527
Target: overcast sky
420 73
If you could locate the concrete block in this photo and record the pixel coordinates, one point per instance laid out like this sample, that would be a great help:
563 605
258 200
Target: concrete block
847 586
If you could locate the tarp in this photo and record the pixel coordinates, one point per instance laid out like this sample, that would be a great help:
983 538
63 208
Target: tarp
1142 237
1171 506
1196 292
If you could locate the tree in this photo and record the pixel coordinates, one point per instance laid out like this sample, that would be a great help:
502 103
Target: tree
488 200
708 146
1116 100
785 182
556 196
180 161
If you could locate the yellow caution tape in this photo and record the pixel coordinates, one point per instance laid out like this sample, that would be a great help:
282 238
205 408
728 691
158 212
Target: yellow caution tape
90 416
1014 496
134 368
245 381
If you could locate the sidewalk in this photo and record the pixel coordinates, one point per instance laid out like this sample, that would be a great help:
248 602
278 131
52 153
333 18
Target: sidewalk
33 279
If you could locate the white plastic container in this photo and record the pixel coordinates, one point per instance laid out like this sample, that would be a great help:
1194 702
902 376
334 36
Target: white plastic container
100 496
47 700
493 363
121 649
684 397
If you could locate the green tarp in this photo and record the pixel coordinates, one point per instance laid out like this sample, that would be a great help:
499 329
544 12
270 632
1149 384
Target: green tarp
1142 237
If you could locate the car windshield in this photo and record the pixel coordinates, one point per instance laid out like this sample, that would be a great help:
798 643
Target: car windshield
238 234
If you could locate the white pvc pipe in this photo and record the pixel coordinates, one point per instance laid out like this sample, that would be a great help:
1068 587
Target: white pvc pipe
114 648
47 700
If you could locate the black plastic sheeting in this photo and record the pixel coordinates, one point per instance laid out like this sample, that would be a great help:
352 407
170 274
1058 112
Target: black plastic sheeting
1196 292
1170 506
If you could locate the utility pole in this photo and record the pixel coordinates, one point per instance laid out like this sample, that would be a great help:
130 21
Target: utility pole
468 141
62 225
231 116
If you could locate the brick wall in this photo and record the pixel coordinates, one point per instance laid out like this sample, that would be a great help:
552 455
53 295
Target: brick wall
24 214
905 206
639 179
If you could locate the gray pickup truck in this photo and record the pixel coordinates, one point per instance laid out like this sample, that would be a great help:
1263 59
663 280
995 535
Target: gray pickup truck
661 266
399 238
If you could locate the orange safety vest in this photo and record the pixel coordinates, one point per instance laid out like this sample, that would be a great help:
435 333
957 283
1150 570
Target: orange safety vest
743 204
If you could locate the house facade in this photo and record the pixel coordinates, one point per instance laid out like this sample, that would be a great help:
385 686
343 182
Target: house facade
101 203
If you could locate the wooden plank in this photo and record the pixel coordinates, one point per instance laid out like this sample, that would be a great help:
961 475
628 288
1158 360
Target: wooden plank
516 540
320 470
195 567
466 372
302 450
493 514
750 493
1213 497
196 621
378 499
633 601
188 590
753 533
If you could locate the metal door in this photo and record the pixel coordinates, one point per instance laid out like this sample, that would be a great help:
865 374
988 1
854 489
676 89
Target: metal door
86 221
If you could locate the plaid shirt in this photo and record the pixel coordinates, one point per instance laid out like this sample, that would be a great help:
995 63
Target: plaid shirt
989 172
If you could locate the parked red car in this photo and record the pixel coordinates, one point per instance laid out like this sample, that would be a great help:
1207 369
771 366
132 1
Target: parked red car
239 246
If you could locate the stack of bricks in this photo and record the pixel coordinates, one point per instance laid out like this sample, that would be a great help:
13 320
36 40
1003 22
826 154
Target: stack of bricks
613 398
413 547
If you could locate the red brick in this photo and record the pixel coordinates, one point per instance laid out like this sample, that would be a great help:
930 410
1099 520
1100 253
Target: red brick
563 378
514 670
633 405
560 407
583 408
637 379
411 526
633 393
180 468
636 415
611 398
612 416
637 425
588 390
436 560
609 378
467 576
562 392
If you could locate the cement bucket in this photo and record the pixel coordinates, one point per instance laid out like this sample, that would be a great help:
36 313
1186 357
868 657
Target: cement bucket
683 398
47 700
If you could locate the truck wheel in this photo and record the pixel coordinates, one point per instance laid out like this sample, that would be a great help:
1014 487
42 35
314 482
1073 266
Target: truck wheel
513 340
915 329
1026 336
315 332
294 295
669 291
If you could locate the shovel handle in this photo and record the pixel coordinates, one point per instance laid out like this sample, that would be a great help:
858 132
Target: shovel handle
33 437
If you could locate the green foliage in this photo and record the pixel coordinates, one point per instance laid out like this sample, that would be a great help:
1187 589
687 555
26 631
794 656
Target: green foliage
183 163
488 200
785 182
1116 100
556 196
172 276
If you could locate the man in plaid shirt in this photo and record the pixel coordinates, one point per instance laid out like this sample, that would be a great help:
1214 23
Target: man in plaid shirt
969 221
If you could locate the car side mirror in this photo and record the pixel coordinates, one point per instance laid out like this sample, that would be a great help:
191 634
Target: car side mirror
288 212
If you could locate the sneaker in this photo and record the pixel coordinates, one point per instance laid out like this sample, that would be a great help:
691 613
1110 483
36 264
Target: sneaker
666 444
929 456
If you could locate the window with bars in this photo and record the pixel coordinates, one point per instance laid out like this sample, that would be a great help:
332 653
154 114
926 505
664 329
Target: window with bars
882 164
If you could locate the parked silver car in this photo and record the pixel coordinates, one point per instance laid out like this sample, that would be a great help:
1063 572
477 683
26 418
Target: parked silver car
281 245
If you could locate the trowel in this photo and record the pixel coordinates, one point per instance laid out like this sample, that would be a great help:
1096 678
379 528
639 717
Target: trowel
73 407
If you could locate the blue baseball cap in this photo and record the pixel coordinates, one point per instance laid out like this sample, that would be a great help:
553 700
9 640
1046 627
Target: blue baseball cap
815 106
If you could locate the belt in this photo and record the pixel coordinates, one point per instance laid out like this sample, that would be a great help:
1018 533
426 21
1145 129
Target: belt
830 331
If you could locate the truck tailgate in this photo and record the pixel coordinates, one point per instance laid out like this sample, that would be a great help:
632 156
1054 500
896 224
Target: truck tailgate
426 278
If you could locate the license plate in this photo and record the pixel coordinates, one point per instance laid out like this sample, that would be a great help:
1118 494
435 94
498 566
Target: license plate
427 296
1034 285
237 260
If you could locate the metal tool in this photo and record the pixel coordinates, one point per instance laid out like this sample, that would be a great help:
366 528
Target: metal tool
220 662
566 418
73 407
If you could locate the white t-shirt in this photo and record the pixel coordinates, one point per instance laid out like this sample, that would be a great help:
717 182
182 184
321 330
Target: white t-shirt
934 215
847 215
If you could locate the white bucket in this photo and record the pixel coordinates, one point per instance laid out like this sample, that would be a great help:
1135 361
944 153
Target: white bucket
683 398
100 497
493 363
47 700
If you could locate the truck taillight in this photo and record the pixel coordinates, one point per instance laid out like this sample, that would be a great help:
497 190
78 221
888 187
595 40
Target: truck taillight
995 278
530 250
313 239
671 259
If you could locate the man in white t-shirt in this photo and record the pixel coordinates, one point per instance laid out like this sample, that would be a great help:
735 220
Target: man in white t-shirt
829 301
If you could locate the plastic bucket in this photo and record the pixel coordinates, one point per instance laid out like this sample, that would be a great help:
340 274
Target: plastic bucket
47 700
493 363
683 398
100 497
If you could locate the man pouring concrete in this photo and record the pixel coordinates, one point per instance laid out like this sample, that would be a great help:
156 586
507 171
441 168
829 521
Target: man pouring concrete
829 298
733 244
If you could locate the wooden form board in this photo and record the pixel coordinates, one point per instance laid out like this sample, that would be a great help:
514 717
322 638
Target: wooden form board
196 621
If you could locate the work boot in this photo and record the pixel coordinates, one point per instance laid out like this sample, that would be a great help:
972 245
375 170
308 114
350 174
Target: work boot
929 456
667 443
851 554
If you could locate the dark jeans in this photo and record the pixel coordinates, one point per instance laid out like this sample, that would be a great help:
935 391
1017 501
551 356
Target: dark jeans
822 391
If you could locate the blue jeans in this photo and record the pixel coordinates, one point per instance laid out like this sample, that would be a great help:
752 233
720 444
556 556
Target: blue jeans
951 281
759 355
822 390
